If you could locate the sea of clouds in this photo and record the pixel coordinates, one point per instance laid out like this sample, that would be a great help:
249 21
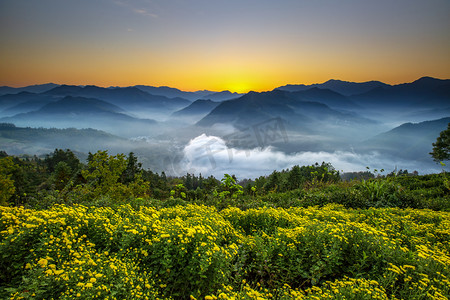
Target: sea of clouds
210 155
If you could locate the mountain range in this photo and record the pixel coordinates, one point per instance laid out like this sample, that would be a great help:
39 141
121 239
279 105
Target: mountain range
80 112
38 88
330 116
342 87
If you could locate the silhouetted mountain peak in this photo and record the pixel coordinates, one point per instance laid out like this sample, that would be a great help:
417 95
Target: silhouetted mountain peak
334 81
168 92
222 96
429 82
345 88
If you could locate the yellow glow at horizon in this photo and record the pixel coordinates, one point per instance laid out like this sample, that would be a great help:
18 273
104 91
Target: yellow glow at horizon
235 68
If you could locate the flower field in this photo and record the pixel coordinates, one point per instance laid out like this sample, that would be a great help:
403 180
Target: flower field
194 251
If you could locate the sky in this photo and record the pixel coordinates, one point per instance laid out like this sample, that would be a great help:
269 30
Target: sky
236 45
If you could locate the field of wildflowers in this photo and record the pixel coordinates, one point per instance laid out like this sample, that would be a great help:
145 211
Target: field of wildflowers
195 251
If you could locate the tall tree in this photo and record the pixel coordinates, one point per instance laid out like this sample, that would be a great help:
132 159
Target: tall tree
132 170
294 178
441 149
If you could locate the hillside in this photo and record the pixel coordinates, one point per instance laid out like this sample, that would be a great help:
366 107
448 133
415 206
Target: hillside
299 115
80 112
409 140
20 140
195 111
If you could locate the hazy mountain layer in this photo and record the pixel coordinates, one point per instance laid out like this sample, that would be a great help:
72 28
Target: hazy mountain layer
410 140
80 112
358 121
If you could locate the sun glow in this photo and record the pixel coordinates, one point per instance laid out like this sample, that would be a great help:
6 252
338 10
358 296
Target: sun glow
239 87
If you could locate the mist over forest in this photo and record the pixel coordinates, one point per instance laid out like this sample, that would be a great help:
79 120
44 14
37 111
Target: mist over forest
350 125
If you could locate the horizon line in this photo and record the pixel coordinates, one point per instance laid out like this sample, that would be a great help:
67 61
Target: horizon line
215 91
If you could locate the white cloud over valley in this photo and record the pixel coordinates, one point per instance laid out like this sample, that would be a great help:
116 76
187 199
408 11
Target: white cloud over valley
209 155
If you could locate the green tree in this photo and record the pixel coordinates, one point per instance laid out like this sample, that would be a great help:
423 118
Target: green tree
273 182
103 175
294 178
230 187
132 170
59 155
7 188
106 170
61 175
441 149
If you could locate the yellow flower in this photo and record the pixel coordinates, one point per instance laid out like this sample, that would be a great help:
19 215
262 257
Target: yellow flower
92 280
43 262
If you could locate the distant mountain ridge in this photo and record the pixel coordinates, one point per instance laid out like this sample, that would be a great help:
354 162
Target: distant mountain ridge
333 102
342 87
256 107
135 101
222 96
170 92
17 140
410 140
80 112
346 88
128 96
424 92
80 105
38 88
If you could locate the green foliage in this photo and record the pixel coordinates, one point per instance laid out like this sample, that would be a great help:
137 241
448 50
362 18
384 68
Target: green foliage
178 191
103 176
7 188
111 180
441 148
380 193
58 156
61 175
230 188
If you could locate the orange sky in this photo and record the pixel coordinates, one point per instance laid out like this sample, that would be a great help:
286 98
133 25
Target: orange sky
235 45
